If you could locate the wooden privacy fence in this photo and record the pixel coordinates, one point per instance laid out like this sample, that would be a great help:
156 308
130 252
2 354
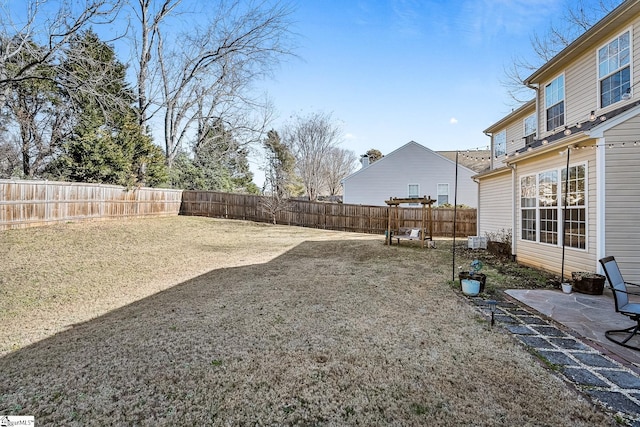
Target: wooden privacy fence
330 216
31 203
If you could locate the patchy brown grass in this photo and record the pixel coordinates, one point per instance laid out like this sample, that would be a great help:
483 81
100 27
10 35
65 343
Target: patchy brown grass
193 320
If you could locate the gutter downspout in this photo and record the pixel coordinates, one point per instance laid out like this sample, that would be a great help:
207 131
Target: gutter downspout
514 180
601 230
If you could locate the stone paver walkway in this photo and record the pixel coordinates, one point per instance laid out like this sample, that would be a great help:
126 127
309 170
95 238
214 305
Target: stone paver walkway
606 381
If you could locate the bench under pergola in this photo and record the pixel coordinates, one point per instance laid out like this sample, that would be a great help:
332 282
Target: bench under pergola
407 232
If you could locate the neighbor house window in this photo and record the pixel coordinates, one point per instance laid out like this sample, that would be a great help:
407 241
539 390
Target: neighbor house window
542 204
528 207
413 193
614 69
554 103
443 194
500 144
576 223
530 129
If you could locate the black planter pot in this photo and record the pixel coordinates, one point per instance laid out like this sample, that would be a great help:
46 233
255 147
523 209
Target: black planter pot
482 278
588 283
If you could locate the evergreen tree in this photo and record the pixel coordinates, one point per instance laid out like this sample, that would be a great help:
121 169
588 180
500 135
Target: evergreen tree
107 145
222 161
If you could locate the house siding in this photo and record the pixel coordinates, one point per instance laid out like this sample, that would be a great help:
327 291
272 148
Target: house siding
514 129
494 206
622 197
581 81
409 164
546 256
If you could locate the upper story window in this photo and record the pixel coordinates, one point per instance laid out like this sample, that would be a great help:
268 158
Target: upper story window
554 103
500 143
530 129
614 70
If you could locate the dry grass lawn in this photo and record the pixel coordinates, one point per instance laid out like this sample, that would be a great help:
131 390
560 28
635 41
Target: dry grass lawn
196 321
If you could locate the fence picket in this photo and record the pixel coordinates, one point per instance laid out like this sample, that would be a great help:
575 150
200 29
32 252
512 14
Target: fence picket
32 203
331 216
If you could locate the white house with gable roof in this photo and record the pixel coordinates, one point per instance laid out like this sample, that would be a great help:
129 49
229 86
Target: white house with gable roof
412 170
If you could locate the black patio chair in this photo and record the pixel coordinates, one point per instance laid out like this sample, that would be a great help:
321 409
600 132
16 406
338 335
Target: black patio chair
621 300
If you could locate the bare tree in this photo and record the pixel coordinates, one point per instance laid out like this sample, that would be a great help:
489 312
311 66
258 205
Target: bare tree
339 163
10 161
207 72
279 176
576 19
311 139
150 15
39 38
38 87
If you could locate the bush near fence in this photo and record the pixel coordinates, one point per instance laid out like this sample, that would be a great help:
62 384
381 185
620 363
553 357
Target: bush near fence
329 216
33 203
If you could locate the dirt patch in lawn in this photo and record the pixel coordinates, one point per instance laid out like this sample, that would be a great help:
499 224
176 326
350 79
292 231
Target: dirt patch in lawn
194 320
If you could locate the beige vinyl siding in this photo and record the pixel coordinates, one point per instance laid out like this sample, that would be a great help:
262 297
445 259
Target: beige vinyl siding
548 256
582 84
494 206
581 91
622 194
515 133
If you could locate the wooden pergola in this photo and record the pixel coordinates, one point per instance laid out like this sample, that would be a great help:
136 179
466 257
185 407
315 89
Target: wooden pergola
394 212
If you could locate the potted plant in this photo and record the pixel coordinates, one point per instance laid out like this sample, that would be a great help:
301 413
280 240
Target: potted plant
472 282
588 283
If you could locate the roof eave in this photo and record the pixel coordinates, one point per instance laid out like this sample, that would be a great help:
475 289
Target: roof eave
520 111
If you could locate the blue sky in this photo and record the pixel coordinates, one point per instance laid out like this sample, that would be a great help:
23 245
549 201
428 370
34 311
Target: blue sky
392 71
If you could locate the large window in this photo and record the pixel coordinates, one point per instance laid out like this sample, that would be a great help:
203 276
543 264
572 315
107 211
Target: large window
541 207
548 206
554 103
530 129
576 231
500 143
614 70
443 194
528 207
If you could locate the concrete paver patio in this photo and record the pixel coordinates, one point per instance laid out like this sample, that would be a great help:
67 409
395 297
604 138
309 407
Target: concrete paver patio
589 316
567 331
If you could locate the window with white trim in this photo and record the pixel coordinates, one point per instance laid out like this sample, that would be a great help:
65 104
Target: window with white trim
413 192
528 207
548 206
554 103
530 129
614 69
542 204
576 222
443 194
500 143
